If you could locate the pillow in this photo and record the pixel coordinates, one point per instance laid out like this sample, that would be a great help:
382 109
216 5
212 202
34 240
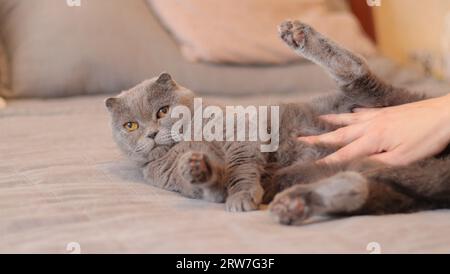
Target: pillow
244 31
61 50
105 46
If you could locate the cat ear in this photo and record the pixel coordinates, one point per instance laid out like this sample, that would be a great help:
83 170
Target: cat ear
165 79
111 103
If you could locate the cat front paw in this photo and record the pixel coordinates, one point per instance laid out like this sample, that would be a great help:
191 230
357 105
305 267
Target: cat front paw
294 33
195 168
243 201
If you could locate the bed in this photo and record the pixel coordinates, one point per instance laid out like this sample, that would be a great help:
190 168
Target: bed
65 188
65 185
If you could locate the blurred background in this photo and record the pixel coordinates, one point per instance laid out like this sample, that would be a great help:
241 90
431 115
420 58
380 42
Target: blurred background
412 28
54 48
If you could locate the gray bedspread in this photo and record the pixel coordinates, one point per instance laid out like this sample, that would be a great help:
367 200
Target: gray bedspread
63 181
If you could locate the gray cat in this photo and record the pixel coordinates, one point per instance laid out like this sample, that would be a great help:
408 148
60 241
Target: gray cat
297 187
215 171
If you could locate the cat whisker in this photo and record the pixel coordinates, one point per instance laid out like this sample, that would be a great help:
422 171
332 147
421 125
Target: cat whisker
165 138
141 148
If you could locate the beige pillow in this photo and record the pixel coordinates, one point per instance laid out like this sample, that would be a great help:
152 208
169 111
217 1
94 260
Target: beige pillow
59 50
245 31
110 45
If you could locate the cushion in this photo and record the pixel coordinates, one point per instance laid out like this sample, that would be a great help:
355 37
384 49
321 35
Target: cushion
58 50
244 31
105 46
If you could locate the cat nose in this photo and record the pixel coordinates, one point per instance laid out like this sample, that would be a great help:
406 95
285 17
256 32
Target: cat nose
152 135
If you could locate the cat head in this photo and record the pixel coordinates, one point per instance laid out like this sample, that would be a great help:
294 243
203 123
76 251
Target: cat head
140 117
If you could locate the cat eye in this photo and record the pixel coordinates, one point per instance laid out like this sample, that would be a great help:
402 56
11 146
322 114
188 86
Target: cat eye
131 126
162 112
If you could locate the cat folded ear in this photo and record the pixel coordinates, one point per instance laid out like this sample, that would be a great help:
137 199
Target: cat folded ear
165 79
111 103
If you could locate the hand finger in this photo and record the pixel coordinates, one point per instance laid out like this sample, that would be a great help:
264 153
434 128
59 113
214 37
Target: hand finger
401 156
343 119
346 119
392 158
342 136
366 110
359 148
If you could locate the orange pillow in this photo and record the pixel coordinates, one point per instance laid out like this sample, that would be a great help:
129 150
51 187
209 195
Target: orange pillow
245 31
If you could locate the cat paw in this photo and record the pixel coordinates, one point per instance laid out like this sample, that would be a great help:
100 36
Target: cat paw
195 168
243 201
290 207
294 33
343 193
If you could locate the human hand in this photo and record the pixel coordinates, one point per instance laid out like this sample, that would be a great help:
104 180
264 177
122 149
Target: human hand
397 135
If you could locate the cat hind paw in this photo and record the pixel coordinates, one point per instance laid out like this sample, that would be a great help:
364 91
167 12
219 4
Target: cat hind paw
343 193
294 33
290 208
